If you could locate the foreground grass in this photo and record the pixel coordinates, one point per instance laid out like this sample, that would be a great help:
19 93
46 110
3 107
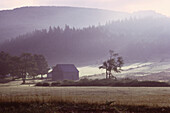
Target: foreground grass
140 96
31 99
37 104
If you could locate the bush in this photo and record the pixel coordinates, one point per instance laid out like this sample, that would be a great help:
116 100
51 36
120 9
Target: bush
56 83
5 80
38 84
68 83
153 84
84 80
46 84
42 84
106 82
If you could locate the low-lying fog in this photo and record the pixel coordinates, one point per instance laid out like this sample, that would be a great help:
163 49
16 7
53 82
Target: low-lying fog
142 70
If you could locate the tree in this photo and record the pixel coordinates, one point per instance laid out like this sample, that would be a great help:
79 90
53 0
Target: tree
28 65
4 63
115 62
15 65
23 65
42 65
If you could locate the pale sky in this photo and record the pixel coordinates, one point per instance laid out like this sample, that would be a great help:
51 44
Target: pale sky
160 6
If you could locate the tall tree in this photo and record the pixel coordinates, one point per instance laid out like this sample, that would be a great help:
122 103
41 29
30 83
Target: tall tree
115 62
15 65
4 63
42 65
28 65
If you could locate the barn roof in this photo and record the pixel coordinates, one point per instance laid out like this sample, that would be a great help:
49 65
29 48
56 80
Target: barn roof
67 67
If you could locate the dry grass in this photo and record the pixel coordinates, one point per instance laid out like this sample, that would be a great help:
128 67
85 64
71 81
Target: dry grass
154 97
30 99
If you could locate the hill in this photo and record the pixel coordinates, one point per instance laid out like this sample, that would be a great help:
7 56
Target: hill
142 37
135 39
26 19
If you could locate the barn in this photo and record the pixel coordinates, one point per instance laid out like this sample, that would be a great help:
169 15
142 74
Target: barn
65 72
49 75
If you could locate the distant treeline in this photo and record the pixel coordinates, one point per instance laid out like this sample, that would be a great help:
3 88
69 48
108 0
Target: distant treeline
134 39
22 66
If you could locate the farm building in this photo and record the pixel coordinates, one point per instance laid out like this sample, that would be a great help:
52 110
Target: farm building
49 75
65 72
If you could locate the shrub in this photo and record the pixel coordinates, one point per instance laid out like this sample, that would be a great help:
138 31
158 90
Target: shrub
5 80
46 84
68 83
56 83
84 80
106 82
153 84
38 84
42 84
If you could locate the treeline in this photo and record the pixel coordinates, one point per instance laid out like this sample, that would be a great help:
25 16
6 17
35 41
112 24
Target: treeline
58 45
18 21
134 39
22 66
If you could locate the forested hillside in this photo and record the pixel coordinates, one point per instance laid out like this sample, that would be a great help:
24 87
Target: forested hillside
135 39
26 19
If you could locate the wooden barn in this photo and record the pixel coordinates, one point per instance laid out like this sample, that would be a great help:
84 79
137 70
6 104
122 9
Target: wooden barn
49 75
65 72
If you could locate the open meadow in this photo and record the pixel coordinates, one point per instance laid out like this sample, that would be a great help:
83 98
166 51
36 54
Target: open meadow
150 96
138 99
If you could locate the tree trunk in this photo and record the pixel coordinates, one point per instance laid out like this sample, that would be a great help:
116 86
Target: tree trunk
13 78
106 73
41 76
109 75
23 79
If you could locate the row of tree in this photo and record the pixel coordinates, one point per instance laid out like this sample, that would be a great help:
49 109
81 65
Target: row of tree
22 66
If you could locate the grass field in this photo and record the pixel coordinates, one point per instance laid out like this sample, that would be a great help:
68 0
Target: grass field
149 96
17 98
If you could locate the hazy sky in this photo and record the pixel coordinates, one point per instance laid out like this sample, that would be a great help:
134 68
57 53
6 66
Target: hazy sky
161 6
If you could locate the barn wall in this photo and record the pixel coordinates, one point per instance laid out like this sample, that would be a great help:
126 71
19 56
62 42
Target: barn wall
57 76
70 76
49 75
